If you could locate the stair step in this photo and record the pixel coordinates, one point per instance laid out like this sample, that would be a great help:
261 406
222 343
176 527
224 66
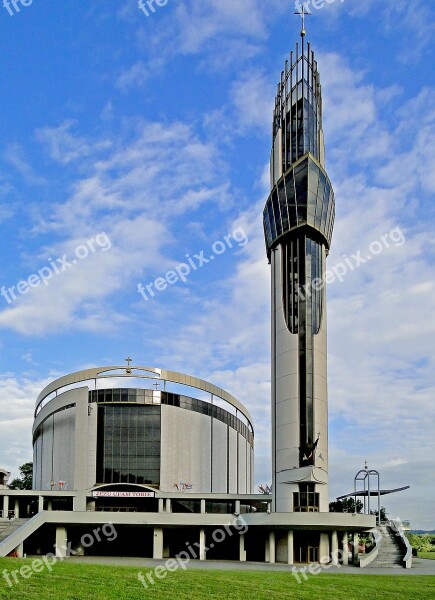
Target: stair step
390 551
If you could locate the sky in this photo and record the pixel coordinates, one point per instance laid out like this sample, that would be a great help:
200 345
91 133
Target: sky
131 143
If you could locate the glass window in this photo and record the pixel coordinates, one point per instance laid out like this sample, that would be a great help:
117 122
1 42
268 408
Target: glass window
276 212
271 219
283 206
291 200
267 228
301 184
128 443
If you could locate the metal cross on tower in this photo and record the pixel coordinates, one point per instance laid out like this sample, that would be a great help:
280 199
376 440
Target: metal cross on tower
302 13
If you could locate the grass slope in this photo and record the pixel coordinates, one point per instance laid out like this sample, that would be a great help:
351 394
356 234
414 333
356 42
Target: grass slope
98 582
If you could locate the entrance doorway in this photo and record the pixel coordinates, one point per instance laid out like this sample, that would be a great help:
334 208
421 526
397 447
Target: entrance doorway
306 546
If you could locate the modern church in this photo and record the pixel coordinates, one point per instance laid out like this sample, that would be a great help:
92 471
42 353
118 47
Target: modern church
168 459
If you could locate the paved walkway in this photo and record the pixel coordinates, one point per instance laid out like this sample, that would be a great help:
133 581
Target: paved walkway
420 566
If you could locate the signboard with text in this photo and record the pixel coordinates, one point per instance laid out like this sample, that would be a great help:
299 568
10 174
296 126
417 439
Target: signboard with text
102 494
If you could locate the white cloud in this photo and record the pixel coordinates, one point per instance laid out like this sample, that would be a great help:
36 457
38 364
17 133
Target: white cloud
14 155
17 397
135 76
63 145
134 190
253 106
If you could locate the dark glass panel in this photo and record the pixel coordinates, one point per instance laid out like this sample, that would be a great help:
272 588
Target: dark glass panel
313 177
301 184
322 183
271 218
283 206
276 212
123 436
291 200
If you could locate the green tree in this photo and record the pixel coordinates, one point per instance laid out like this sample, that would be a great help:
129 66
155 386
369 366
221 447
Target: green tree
347 505
384 514
24 482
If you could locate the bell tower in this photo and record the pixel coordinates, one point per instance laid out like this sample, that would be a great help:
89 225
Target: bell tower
298 222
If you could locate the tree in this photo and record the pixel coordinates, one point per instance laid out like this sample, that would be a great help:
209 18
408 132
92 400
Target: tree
347 505
24 482
384 514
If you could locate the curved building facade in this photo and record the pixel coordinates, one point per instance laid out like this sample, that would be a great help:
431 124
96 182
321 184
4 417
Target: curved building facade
86 434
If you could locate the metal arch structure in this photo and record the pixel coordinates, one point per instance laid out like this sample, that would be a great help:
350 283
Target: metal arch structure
364 475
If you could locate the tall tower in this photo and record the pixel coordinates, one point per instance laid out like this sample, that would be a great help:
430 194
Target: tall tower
298 222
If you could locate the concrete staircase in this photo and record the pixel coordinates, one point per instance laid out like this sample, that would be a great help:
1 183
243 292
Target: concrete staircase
18 531
8 528
391 551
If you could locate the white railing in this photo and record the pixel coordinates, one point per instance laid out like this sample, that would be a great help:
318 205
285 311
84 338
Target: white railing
397 527
370 557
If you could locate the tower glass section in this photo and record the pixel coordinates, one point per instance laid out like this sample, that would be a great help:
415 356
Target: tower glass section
298 223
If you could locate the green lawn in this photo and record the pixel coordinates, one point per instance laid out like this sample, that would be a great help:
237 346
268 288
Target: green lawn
69 581
430 555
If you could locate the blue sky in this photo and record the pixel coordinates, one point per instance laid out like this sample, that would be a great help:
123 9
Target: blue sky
156 132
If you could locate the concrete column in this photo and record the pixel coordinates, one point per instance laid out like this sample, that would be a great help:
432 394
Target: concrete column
242 553
324 547
267 550
20 550
290 548
158 543
40 503
334 548
161 505
79 502
61 542
344 545
168 505
272 548
81 444
202 555
203 507
355 558
237 507
5 506
17 509
50 505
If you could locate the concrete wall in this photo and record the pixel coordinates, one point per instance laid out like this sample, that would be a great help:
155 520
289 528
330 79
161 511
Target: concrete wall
285 404
195 449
